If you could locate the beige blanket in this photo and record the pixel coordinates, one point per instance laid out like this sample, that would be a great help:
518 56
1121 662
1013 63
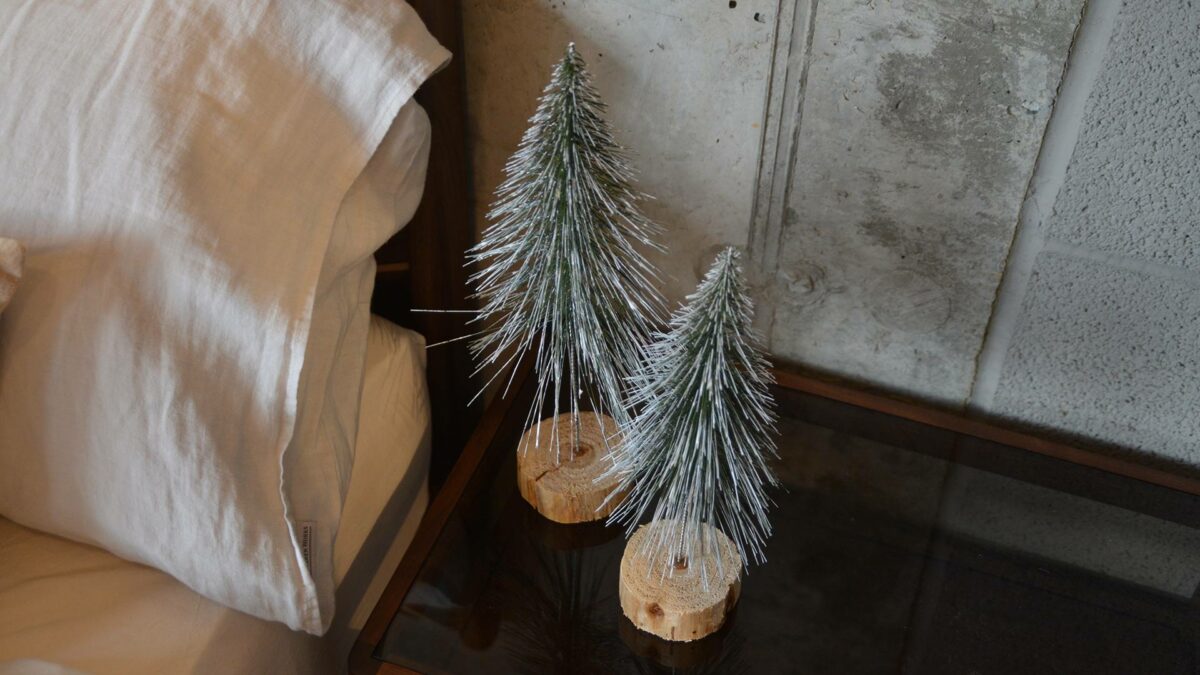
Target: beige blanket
12 261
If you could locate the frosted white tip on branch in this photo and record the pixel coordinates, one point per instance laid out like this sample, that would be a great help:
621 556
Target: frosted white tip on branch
560 268
698 452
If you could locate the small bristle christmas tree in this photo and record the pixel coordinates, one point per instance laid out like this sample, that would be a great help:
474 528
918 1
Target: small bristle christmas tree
561 268
696 458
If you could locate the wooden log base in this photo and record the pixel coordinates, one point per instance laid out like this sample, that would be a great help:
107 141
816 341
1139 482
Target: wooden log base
679 606
560 479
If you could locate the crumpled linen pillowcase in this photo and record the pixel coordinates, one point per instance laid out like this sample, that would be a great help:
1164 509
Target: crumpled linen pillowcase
175 171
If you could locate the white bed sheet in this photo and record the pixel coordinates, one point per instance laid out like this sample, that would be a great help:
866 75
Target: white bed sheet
68 607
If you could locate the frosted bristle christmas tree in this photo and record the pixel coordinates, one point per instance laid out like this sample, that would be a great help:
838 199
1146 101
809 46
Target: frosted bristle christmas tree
695 462
561 274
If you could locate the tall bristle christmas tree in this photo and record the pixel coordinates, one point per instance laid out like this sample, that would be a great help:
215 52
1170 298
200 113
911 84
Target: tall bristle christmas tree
562 275
696 462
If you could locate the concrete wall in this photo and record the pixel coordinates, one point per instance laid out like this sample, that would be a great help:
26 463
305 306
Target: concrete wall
916 129
993 205
988 204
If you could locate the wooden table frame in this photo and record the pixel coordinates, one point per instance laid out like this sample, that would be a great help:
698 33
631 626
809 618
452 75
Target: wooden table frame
496 421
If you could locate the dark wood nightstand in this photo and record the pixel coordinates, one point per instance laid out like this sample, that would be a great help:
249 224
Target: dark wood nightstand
907 539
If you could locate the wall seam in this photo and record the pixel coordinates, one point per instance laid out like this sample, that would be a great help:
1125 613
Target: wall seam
1123 262
769 142
1083 65
781 129
793 142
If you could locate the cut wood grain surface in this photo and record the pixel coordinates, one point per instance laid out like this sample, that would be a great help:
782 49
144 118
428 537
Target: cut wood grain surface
679 600
562 478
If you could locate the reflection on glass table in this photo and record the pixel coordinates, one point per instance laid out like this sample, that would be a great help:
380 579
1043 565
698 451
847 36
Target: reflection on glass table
898 547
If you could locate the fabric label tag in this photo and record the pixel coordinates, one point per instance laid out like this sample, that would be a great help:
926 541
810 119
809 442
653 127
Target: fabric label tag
307 532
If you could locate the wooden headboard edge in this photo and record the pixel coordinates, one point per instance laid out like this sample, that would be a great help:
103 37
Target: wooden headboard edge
424 267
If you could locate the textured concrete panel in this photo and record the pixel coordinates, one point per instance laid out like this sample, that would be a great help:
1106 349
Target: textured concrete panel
685 83
1109 354
1133 185
920 125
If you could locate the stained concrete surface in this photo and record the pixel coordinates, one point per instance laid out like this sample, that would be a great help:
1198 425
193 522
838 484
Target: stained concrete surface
919 129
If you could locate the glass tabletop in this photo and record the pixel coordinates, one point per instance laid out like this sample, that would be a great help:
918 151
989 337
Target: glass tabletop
898 547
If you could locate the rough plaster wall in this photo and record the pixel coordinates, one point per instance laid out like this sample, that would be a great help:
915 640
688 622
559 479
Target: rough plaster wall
1096 329
919 125
1133 186
685 81
1108 353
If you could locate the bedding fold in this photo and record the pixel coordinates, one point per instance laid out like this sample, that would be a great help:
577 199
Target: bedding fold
69 606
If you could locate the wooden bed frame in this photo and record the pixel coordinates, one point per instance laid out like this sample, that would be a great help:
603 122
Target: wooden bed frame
423 266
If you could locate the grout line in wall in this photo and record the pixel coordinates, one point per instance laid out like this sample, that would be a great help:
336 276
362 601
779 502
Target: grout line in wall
770 139
776 162
810 30
1084 62
793 144
1124 262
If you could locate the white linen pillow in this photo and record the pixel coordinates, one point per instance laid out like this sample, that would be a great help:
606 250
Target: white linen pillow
175 170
